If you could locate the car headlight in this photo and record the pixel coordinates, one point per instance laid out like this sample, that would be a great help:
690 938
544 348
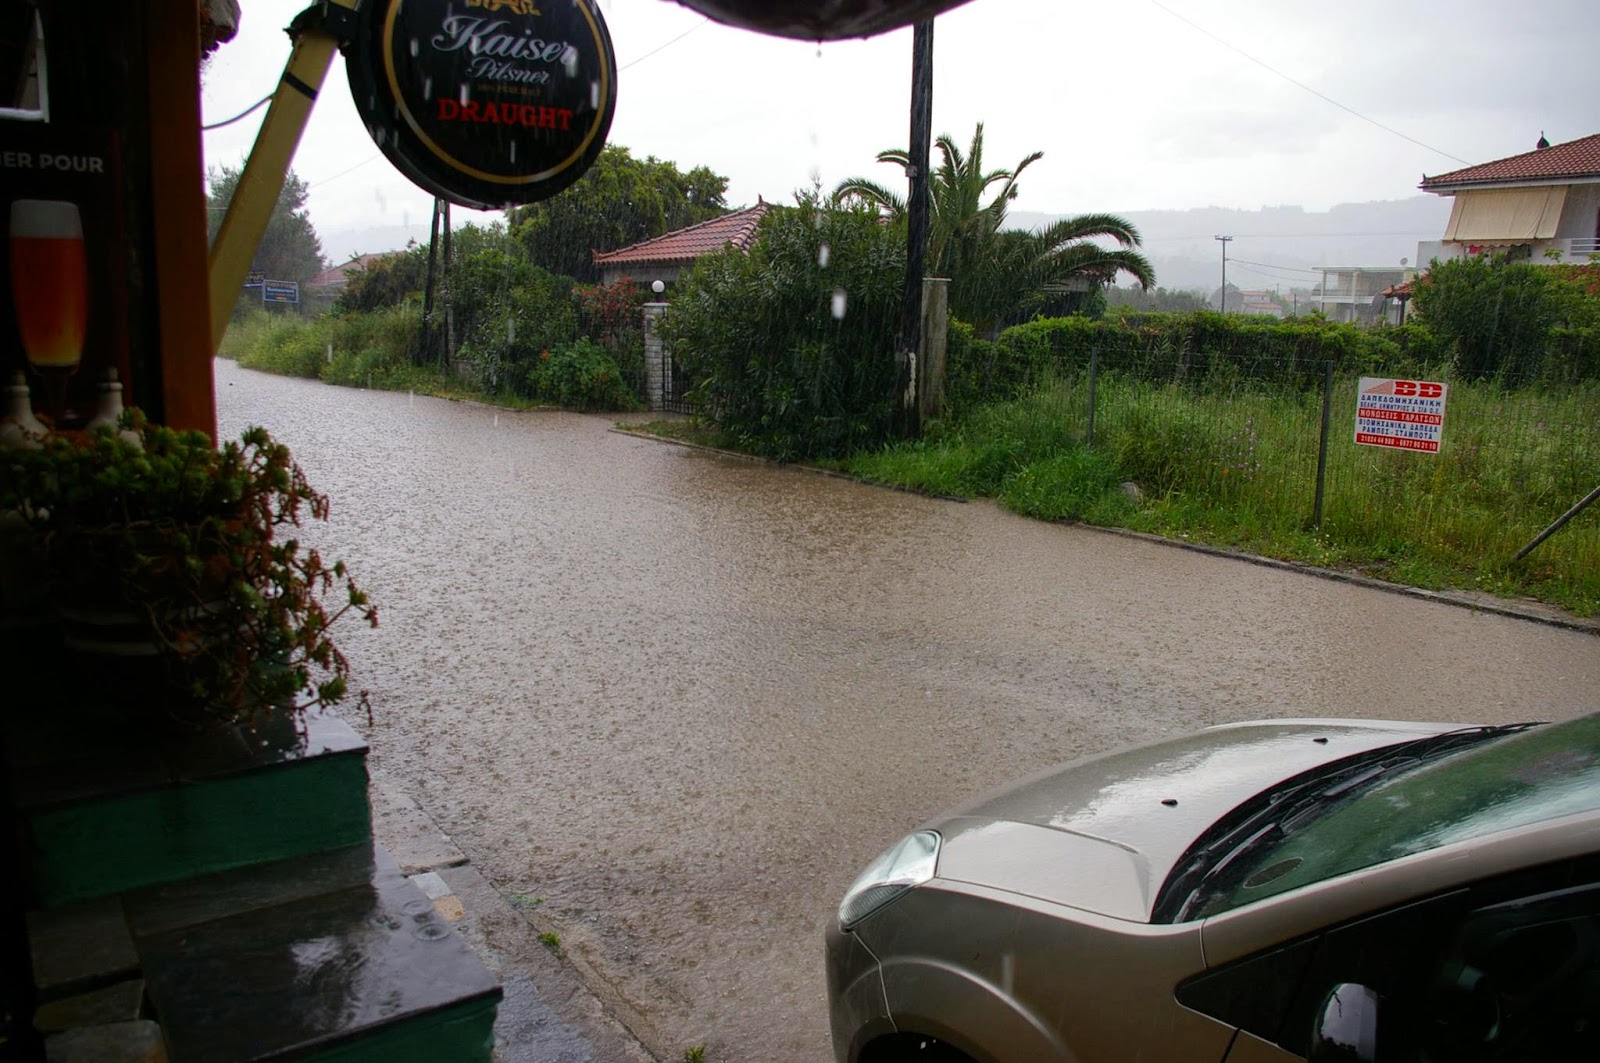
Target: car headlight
908 862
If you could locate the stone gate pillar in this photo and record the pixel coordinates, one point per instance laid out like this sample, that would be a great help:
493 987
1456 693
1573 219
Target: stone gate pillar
655 358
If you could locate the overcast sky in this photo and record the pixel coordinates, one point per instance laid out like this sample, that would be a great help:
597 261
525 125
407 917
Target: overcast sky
1134 107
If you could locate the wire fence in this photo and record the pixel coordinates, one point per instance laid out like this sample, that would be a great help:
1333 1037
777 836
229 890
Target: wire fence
1242 432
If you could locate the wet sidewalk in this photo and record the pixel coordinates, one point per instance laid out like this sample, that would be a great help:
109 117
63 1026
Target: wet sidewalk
548 1014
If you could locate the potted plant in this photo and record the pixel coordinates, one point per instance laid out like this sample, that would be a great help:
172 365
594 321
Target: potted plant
173 564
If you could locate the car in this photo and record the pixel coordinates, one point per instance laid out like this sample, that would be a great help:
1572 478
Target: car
1253 893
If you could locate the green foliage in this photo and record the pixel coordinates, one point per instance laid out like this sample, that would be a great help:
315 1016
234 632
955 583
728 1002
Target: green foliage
290 248
1496 314
1121 300
510 313
1573 355
198 544
1080 484
385 282
1202 348
1232 461
772 366
580 376
613 314
998 275
619 201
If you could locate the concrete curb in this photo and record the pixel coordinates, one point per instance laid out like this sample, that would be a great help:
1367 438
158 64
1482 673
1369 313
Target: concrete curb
549 1013
1479 602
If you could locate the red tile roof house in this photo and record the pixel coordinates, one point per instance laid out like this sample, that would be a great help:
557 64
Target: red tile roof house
665 259
1547 199
330 282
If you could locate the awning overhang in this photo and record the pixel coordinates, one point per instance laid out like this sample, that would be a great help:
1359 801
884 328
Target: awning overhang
1506 215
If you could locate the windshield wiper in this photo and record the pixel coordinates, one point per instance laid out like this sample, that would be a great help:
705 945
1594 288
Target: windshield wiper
1201 871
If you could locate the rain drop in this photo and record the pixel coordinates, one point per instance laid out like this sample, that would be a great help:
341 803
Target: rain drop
511 330
411 398
497 420
823 254
838 304
414 48
427 88
594 95
464 93
512 152
569 59
330 353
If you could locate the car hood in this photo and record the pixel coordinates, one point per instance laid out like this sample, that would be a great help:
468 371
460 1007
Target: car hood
1102 834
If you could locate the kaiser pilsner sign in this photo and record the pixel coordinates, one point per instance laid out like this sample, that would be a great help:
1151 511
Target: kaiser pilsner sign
487 103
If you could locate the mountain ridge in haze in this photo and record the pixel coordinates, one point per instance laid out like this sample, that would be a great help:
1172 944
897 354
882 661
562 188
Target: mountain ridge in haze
1276 246
1272 246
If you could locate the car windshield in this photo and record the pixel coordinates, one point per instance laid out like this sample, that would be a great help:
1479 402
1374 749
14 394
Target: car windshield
1521 779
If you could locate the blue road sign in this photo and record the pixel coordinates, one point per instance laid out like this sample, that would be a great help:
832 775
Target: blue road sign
280 291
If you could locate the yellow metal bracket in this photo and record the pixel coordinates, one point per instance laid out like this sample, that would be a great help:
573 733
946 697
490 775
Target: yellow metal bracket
317 32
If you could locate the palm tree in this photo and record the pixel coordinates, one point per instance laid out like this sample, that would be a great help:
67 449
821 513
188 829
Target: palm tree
997 274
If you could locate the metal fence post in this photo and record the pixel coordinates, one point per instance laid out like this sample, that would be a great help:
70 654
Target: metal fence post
1094 376
1322 447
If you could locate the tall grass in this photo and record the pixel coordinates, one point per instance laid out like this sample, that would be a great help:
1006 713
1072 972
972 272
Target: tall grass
375 349
1235 464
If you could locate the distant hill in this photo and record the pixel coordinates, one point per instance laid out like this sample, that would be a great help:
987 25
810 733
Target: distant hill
1180 244
341 245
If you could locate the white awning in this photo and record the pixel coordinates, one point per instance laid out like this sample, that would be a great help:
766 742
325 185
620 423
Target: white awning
1506 215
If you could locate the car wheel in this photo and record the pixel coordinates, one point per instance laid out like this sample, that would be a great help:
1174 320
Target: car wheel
912 1048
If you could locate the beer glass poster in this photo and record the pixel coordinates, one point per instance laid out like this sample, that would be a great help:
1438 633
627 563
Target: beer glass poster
63 296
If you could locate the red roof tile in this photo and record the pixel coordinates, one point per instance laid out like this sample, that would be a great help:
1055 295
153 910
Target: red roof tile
685 245
1575 158
341 274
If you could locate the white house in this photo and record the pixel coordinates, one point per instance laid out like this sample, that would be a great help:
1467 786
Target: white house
1544 204
1355 293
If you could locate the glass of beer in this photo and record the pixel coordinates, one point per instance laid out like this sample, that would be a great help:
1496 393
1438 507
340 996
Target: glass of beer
50 289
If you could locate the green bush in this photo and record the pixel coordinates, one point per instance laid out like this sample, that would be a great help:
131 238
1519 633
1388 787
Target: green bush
289 346
1198 349
1573 355
771 364
581 376
1495 314
384 282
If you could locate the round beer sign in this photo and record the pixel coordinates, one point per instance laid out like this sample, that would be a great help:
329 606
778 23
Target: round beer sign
487 103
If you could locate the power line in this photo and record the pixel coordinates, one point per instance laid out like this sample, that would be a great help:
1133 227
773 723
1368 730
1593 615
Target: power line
341 173
653 51
1288 236
1270 265
1303 85
247 111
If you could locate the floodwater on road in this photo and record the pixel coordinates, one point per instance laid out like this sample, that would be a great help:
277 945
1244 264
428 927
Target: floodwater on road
684 698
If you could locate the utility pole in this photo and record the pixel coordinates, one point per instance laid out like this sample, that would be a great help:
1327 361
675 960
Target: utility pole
425 355
907 418
1222 299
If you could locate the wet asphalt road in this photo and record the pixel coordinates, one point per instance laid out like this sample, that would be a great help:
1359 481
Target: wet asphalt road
683 698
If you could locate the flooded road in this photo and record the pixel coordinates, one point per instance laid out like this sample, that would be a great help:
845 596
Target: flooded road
684 698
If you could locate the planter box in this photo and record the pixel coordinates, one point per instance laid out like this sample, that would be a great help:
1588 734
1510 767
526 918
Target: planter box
103 812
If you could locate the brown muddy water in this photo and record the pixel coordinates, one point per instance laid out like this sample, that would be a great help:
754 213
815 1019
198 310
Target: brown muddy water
684 698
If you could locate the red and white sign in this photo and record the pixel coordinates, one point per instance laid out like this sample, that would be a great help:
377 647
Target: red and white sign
1401 414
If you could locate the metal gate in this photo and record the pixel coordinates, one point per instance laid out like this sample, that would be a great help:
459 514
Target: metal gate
674 385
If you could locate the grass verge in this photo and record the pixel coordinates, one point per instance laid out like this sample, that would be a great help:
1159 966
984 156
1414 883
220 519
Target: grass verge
1237 469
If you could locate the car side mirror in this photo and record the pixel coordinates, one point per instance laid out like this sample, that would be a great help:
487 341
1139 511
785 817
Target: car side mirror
1346 1030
